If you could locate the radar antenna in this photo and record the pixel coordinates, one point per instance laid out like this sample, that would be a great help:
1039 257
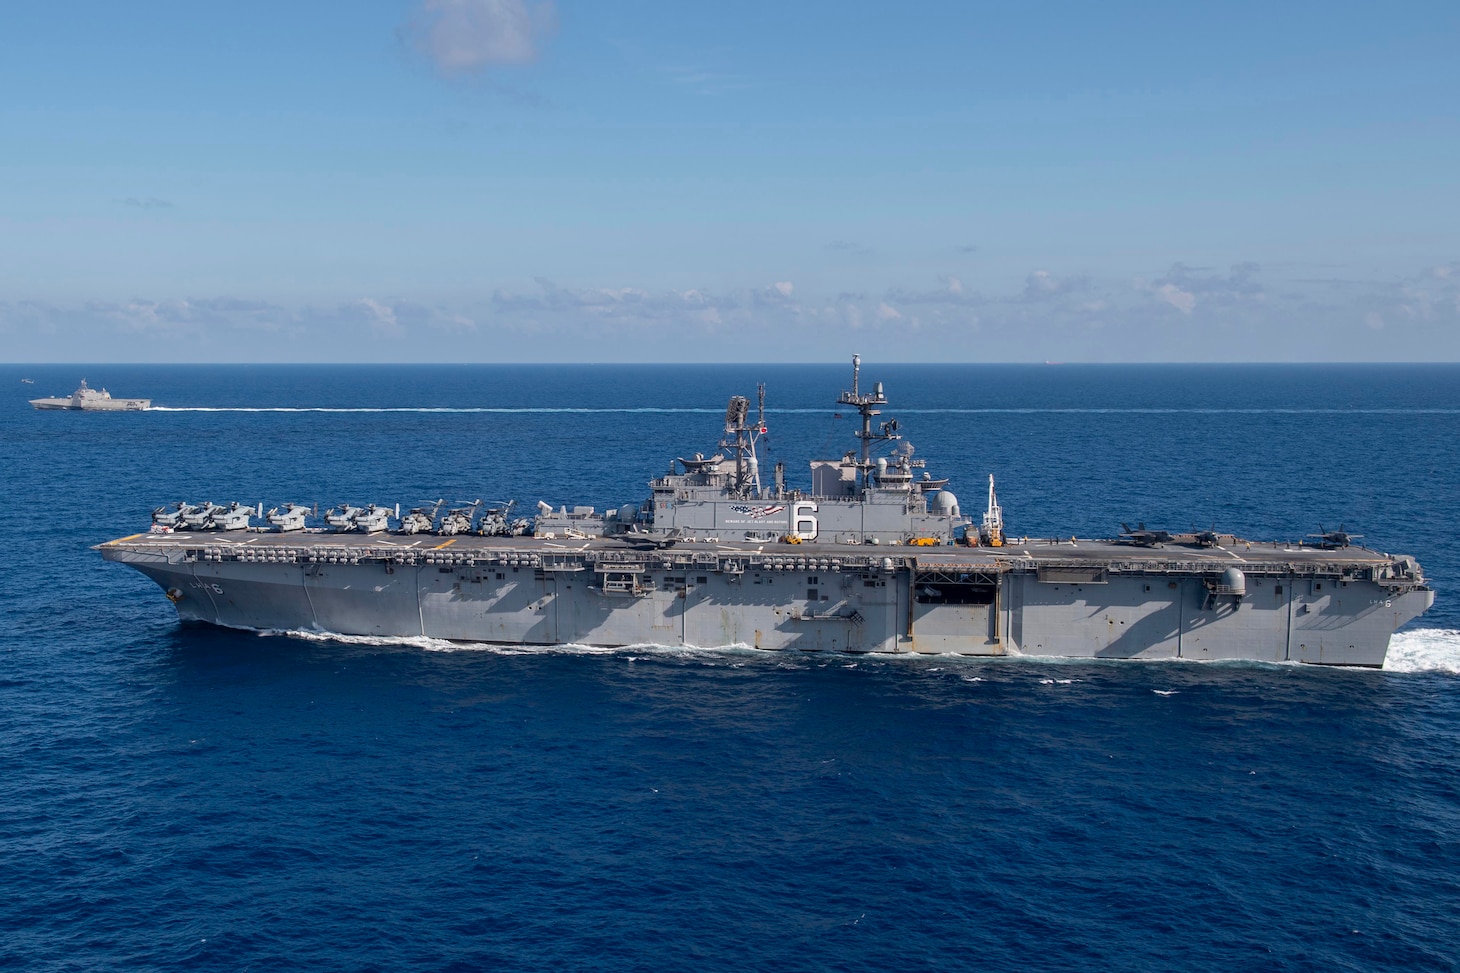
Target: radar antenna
741 438
867 406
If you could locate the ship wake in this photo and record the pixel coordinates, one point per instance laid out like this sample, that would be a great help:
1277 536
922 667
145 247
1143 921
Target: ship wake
1424 650
1415 651
992 410
427 644
427 409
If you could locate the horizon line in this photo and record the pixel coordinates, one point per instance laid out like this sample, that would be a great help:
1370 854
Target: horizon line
670 364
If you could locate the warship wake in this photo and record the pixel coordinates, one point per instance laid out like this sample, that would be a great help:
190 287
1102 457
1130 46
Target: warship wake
876 555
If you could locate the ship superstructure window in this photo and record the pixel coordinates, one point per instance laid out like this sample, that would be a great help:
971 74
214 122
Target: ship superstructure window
702 579
810 594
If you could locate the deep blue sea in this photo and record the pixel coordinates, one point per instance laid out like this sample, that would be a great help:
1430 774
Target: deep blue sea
186 798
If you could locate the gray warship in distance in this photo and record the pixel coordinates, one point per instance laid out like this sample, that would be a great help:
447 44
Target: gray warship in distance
88 399
876 557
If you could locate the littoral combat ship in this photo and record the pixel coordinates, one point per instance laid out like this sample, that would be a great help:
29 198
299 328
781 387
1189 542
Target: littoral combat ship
88 399
877 556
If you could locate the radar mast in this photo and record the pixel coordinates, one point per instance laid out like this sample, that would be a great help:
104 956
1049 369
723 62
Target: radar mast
867 405
741 438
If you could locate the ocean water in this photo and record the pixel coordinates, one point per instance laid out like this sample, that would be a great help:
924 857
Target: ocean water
181 797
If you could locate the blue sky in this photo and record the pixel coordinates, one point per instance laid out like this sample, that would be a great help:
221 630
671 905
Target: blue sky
485 180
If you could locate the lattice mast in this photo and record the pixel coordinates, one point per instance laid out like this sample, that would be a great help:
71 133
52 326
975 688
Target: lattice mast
741 438
867 405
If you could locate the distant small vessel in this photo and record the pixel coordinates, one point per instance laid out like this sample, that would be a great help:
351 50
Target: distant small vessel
27 381
87 399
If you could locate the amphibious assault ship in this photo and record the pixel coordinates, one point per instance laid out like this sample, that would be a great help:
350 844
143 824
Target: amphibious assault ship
88 399
876 556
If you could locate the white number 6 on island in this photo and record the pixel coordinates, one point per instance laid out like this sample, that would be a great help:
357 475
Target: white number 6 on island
803 520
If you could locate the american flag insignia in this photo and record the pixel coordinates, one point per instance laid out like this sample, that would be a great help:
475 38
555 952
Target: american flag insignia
757 513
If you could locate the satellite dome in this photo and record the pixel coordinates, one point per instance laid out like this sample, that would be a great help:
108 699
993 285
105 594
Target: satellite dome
1234 581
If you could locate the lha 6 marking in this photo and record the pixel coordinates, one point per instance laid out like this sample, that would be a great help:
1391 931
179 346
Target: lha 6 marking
803 520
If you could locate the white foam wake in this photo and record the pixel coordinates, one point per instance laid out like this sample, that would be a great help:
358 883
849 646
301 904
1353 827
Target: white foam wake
1417 650
548 410
431 409
445 645
1424 650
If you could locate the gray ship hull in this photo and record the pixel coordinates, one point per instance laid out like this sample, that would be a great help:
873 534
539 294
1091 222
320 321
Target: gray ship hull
87 399
1087 599
106 405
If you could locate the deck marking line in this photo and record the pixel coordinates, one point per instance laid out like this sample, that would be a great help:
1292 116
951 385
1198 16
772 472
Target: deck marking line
447 544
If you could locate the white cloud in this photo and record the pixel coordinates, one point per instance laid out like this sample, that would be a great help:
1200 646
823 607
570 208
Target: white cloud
1417 316
381 317
951 293
1183 301
1433 294
466 36
1041 285
139 316
1184 288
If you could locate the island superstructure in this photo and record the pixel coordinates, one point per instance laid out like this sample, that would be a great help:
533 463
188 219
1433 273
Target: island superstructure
876 556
